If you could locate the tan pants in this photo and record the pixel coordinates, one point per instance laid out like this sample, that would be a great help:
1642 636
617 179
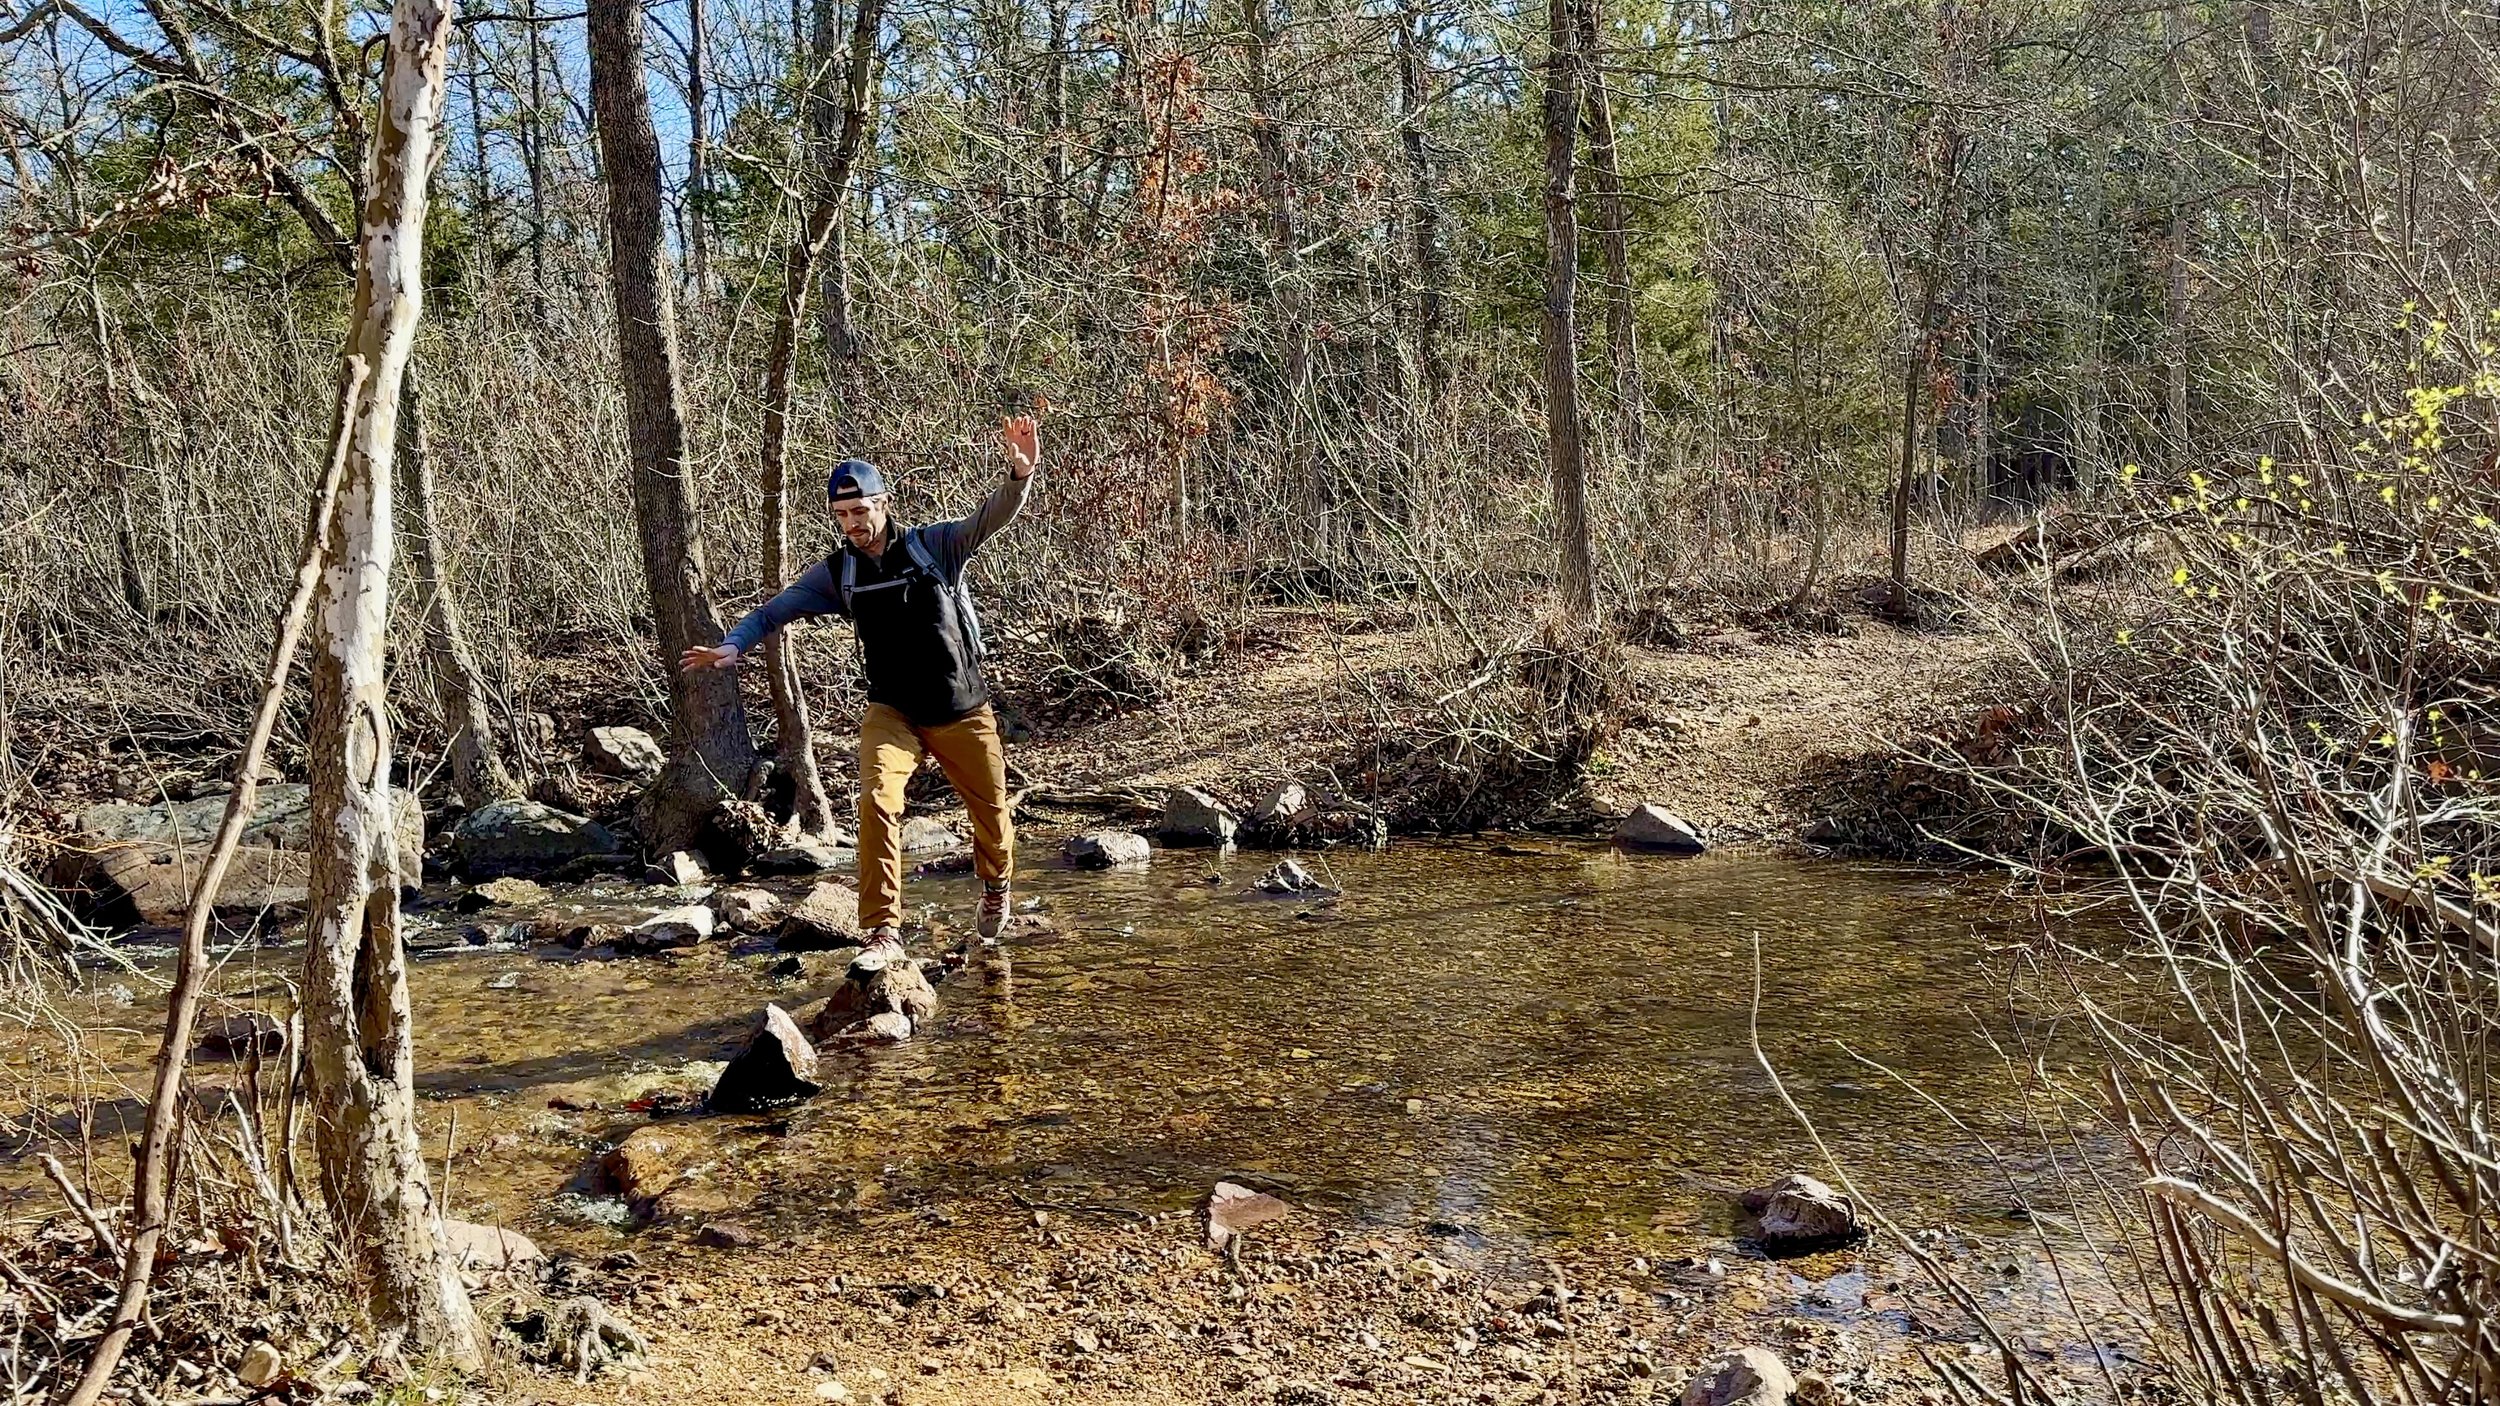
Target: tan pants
890 749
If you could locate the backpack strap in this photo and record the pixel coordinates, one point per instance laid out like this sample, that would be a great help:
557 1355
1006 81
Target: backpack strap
850 578
915 541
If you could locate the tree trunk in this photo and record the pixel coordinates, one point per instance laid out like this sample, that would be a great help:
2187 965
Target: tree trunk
1055 113
534 155
359 1050
1566 457
1432 272
697 178
710 753
478 774
841 338
812 809
1606 177
1283 230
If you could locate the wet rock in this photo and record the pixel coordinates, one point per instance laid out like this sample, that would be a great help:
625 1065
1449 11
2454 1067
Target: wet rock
679 867
828 917
807 854
1798 1214
508 892
720 1235
746 910
281 819
1291 816
778 1066
676 927
1193 817
1745 1376
147 883
887 1028
924 834
1290 878
525 837
471 1245
576 932
1654 827
901 988
261 1366
1110 849
624 751
642 1166
243 1033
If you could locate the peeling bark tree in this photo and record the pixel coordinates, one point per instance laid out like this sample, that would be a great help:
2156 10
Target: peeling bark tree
810 806
359 1051
710 753
1566 456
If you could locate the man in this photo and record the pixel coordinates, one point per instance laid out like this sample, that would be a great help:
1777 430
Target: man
920 644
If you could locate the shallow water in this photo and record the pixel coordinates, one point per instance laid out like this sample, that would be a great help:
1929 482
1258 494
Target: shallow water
1506 1047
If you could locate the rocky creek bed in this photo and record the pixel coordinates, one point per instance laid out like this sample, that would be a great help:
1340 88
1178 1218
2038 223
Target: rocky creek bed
1507 1090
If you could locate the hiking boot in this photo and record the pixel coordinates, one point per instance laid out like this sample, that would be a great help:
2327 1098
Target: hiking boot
883 949
993 920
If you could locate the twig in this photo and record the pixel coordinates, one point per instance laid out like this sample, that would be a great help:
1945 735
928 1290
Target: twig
104 1237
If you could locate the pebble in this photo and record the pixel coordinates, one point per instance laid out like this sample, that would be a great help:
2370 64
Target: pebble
260 1366
831 1390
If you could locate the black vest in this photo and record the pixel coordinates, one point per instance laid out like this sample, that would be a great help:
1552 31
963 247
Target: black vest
917 649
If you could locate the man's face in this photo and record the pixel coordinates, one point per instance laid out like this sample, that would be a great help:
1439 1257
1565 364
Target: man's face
862 519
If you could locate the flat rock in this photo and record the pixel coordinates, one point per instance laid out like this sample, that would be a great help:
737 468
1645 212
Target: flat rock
525 837
1744 1376
1110 849
778 1066
487 1246
747 910
641 1165
924 834
130 884
1193 817
624 751
674 927
828 917
281 819
722 1235
808 854
510 892
242 1033
680 867
1798 1214
1654 827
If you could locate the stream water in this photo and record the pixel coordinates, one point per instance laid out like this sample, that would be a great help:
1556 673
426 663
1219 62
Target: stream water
1507 1045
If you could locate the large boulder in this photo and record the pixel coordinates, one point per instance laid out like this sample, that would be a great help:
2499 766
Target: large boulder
1654 827
514 836
281 819
624 751
828 917
1745 1376
778 1066
1193 817
126 885
1110 849
1797 1215
1284 803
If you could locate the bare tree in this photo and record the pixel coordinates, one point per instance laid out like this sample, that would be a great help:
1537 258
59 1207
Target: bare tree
710 752
828 182
359 1048
478 774
1606 182
1566 456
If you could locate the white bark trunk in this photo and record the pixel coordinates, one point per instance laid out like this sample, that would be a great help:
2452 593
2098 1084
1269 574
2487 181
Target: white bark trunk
359 1050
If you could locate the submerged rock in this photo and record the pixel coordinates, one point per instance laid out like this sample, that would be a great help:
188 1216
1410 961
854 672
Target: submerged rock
525 837
624 751
1745 1376
1653 826
640 1166
1288 877
1110 849
1797 1214
828 917
778 1066
1193 817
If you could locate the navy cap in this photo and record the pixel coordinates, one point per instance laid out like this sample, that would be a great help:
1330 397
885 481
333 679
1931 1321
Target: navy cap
854 478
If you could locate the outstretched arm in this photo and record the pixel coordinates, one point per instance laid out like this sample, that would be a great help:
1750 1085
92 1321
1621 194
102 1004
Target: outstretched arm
1021 437
814 593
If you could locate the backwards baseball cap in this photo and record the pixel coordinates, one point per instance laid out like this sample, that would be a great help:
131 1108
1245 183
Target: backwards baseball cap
854 478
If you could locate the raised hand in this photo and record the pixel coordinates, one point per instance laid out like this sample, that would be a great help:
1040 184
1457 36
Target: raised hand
1022 435
719 656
